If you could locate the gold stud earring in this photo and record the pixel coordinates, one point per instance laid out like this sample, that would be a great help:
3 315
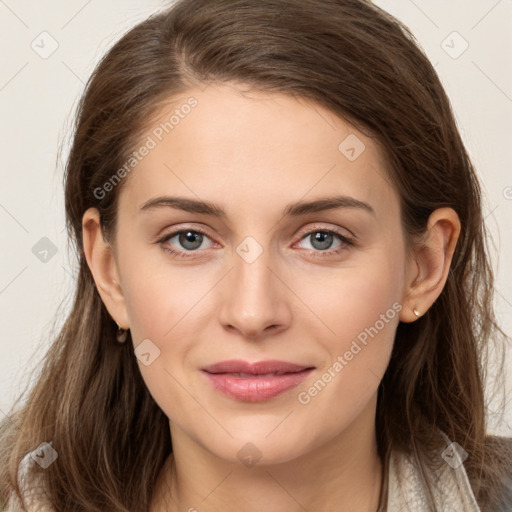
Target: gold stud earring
121 334
416 312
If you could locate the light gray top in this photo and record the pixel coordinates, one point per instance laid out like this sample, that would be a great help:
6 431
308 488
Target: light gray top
452 490
450 485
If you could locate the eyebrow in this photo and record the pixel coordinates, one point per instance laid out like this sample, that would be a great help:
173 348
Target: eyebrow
291 210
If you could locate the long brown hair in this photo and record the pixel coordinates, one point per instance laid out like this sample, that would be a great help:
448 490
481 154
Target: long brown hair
363 65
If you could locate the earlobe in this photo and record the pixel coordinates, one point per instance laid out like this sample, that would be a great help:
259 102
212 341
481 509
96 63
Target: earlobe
432 257
102 264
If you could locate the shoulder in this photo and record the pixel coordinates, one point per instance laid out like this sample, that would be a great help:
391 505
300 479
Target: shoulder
421 481
31 483
503 499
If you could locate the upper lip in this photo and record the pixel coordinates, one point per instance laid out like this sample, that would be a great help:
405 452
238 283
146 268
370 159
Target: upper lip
256 368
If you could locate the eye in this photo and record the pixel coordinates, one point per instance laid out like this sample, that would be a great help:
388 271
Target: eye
322 241
187 242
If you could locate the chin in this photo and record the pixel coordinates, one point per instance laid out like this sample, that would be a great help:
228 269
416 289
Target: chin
256 449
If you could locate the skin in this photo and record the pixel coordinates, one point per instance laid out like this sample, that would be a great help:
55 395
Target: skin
252 154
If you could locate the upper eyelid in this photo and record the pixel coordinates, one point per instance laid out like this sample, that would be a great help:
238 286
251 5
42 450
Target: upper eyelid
336 230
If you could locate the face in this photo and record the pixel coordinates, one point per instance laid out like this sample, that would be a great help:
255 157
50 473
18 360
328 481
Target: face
255 276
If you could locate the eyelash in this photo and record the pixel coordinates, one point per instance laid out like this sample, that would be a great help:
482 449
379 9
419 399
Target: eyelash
346 241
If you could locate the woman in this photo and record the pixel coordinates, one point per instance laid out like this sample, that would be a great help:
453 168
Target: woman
284 297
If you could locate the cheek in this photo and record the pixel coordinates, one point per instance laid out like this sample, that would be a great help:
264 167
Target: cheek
165 316
149 309
350 299
357 357
157 295
359 306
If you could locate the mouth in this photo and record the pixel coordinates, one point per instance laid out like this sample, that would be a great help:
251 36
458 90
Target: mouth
251 375
255 382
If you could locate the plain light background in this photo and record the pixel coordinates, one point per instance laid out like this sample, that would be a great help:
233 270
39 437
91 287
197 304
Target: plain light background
49 51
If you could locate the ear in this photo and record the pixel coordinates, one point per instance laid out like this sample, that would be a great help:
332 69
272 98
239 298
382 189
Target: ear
101 261
429 264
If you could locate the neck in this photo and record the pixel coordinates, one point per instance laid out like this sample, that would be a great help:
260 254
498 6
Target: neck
344 473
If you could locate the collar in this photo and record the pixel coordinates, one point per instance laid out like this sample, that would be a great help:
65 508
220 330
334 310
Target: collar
406 483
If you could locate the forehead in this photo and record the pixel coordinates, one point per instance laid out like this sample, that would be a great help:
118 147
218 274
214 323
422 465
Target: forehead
248 149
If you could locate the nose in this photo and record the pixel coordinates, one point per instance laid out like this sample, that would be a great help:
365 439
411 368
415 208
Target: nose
255 298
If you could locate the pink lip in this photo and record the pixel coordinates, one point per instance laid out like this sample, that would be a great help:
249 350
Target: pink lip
255 386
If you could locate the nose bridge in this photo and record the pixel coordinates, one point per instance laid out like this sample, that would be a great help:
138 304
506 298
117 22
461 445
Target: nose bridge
254 300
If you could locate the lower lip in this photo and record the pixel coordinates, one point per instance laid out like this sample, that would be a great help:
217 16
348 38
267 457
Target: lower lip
255 389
